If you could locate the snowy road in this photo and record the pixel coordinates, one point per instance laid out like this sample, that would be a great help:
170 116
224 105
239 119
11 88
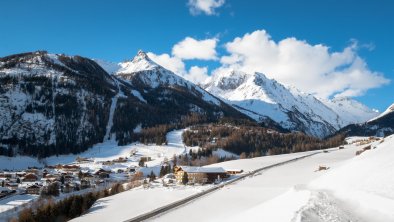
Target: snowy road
262 197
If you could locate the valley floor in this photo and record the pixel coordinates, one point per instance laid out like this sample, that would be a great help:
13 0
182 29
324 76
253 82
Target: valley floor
296 191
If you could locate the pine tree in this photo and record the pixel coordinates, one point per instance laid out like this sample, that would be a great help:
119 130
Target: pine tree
152 176
162 171
185 178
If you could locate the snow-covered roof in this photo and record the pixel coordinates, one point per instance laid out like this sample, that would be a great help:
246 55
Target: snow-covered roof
191 169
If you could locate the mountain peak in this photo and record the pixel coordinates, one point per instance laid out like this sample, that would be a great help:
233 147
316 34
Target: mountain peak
141 55
140 62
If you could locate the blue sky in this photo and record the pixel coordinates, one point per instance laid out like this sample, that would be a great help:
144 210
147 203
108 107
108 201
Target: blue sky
115 30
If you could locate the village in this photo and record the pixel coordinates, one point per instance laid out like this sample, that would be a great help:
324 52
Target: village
65 179
106 166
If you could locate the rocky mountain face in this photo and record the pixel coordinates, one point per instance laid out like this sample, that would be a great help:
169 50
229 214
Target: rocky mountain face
56 104
382 125
265 99
52 103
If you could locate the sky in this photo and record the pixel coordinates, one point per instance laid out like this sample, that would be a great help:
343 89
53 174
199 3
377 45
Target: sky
329 48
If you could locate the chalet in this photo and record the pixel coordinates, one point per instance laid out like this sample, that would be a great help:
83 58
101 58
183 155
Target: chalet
146 158
83 160
200 174
68 188
108 163
12 186
52 177
87 176
120 160
4 191
33 189
32 170
69 178
102 173
85 184
70 168
234 171
30 177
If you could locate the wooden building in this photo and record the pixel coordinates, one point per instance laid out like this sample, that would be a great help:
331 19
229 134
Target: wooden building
33 189
30 177
200 175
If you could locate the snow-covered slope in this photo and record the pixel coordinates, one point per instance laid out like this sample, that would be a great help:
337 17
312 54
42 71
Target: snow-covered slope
265 97
365 183
385 113
262 98
350 110
382 125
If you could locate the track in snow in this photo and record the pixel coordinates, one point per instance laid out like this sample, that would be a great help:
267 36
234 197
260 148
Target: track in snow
114 102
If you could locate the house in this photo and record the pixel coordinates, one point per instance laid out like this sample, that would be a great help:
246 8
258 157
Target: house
12 186
200 174
108 163
70 168
30 177
69 178
33 189
102 173
85 184
4 191
234 171
68 188
146 158
83 160
120 160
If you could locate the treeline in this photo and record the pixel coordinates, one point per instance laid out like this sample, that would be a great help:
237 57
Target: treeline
254 141
157 134
66 209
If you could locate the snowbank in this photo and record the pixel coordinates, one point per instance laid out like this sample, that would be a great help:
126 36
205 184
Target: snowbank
365 183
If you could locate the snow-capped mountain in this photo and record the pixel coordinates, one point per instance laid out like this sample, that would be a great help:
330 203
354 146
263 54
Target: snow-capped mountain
385 113
382 125
262 98
57 104
169 92
350 110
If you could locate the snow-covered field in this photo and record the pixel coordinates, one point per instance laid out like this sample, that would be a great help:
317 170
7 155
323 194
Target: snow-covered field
297 192
135 202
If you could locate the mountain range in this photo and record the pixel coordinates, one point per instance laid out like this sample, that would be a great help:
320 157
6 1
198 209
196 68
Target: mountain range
54 104
262 98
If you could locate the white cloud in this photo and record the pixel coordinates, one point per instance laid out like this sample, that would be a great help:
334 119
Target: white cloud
190 48
195 74
311 68
173 64
208 7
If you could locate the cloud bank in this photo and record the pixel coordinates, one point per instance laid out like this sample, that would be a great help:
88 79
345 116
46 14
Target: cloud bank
311 68
314 69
